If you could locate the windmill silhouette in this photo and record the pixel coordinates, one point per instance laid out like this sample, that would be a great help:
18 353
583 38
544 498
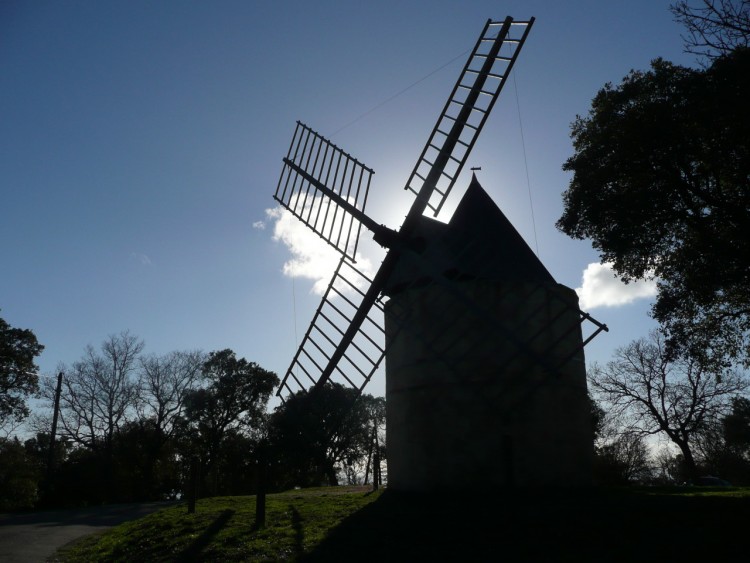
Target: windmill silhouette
479 339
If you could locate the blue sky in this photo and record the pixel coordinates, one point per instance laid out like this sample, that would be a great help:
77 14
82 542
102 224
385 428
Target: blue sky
141 143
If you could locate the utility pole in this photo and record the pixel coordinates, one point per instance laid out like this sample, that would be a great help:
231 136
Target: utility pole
53 432
376 460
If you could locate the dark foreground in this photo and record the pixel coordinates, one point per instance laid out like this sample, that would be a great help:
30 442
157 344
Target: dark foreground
597 526
352 525
35 536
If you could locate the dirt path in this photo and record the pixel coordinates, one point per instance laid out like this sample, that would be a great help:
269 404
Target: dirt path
35 536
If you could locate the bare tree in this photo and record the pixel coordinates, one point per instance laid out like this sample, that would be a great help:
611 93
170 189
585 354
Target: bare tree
623 459
98 391
715 27
163 382
652 393
619 456
668 467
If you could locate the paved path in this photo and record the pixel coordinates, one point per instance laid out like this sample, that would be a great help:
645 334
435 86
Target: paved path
35 536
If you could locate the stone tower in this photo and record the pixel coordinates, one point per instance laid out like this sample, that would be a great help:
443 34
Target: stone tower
485 374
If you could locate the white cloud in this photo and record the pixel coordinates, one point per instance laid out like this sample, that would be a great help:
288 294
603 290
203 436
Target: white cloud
602 288
260 225
140 258
312 257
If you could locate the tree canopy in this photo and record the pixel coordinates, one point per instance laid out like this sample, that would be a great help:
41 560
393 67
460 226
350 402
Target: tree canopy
18 377
725 445
231 402
317 432
661 186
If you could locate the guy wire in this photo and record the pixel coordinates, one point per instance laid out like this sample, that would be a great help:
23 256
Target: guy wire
526 164
400 92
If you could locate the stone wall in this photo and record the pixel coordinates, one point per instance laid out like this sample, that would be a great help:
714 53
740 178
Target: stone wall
486 386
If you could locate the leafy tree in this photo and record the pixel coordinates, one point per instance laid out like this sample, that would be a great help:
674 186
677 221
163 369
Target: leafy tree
652 392
233 399
146 465
736 434
235 469
317 433
85 477
660 186
20 474
18 373
736 425
714 27
725 445
37 448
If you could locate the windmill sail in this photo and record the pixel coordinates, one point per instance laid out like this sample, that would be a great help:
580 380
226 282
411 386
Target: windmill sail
466 111
325 188
365 349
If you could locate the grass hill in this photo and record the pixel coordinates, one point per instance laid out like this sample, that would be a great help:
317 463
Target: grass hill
352 524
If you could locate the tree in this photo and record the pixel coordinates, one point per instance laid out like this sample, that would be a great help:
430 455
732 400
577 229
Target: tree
653 392
725 445
145 449
146 465
20 474
18 373
98 391
736 426
716 27
97 399
619 457
233 399
163 384
375 408
660 186
621 461
669 468
317 433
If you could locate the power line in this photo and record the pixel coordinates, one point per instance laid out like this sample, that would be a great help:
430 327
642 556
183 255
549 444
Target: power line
526 165
399 93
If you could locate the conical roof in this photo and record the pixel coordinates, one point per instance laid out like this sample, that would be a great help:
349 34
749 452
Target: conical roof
479 242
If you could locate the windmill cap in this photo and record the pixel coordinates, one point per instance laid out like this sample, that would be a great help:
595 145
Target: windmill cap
479 242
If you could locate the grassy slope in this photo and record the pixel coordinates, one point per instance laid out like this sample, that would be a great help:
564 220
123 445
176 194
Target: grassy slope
346 524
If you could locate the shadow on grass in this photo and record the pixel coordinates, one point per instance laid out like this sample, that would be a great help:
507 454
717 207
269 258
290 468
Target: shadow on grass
193 551
299 533
596 525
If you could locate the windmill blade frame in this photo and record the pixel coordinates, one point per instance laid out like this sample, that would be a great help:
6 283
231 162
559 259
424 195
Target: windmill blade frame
326 188
365 350
465 113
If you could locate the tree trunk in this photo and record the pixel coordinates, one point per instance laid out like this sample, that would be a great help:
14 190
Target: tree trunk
330 473
367 466
689 460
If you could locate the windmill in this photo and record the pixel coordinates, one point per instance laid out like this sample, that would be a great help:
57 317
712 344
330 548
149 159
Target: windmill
482 346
